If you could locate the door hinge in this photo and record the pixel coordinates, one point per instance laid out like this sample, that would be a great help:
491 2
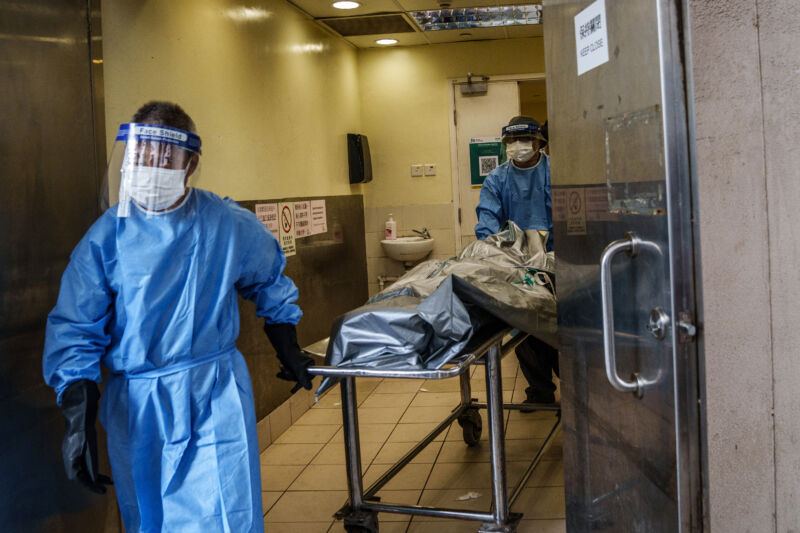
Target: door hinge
459 215
686 328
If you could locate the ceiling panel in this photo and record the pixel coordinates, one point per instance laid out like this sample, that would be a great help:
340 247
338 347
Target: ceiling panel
532 30
403 39
476 34
323 8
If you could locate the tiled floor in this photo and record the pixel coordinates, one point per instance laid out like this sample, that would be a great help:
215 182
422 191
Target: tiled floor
303 473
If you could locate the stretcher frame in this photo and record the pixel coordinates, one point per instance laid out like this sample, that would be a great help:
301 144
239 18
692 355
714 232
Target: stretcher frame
360 512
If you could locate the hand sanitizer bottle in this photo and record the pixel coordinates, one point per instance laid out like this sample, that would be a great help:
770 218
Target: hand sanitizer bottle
391 229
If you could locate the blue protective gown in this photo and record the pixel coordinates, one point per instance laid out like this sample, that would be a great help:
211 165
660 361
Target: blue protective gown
518 194
154 299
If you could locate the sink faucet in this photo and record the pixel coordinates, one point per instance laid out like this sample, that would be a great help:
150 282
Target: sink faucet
423 233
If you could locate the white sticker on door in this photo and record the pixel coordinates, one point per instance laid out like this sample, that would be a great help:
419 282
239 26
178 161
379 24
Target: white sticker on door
591 37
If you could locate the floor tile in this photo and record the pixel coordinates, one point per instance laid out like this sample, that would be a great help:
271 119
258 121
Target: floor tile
368 433
471 475
290 454
441 385
315 417
308 434
516 450
330 399
391 452
479 383
547 474
413 432
390 386
297 527
268 499
385 526
449 498
310 506
412 476
428 399
277 477
397 497
529 429
542 526
434 525
432 413
321 477
545 502
398 399
380 415
333 453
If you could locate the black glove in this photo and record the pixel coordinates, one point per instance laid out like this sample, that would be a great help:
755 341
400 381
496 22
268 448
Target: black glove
294 365
79 404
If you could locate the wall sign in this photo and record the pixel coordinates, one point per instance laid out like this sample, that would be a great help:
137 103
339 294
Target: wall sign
286 225
302 219
591 36
485 154
319 217
268 215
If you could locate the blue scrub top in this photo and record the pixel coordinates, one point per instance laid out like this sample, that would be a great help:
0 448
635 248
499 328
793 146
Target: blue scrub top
518 194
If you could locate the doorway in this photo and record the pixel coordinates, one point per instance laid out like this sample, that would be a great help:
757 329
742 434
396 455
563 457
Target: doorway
477 118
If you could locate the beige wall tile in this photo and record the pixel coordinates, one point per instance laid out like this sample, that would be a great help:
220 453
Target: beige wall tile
279 420
264 435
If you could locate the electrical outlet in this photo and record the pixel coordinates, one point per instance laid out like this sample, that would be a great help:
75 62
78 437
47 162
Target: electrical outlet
416 171
430 169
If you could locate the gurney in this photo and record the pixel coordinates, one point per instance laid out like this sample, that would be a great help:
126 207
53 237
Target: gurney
427 328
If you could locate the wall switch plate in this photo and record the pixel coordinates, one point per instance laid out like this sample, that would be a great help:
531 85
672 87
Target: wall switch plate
430 169
416 171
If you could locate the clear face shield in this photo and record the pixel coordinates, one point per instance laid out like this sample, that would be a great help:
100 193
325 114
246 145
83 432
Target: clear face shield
149 167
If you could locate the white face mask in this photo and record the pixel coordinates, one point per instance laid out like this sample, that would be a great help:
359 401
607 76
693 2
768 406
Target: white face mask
520 151
154 188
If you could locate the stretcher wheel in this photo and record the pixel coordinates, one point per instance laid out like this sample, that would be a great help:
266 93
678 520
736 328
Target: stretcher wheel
471 426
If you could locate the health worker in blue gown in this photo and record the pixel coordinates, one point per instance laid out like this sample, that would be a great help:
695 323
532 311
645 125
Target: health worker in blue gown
150 293
519 190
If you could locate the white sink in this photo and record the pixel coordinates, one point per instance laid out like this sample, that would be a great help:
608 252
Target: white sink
407 248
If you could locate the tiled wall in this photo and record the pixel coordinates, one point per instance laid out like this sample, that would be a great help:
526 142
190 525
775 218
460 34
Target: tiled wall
438 218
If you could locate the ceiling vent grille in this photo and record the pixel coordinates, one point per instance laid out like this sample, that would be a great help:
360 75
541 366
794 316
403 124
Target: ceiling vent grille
371 25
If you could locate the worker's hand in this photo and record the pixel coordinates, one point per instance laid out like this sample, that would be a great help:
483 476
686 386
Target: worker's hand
79 449
294 364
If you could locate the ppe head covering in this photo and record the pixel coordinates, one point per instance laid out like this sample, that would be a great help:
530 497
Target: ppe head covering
522 127
150 162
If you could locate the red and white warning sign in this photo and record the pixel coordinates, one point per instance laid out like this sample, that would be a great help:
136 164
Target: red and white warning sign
576 212
286 223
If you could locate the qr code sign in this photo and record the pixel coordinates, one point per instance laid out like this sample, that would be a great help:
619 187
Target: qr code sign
487 164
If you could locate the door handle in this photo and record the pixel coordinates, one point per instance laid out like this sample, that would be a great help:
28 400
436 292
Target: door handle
631 245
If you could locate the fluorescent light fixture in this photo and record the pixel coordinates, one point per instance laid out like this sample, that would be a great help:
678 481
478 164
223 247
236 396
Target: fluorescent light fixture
478 17
386 42
346 4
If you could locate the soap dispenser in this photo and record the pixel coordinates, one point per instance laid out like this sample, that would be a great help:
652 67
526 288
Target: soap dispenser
391 229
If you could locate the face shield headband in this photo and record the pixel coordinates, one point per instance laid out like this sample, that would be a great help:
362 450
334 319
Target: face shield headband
152 167
521 130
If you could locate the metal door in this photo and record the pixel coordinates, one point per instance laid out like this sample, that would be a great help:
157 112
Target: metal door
622 207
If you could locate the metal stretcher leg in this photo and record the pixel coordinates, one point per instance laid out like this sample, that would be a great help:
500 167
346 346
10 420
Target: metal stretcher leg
356 519
504 521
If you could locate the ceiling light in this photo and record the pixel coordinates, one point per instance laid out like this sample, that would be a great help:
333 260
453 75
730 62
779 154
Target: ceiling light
346 4
478 17
386 41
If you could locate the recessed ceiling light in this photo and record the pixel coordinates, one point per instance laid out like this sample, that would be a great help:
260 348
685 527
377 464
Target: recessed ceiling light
386 41
346 4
